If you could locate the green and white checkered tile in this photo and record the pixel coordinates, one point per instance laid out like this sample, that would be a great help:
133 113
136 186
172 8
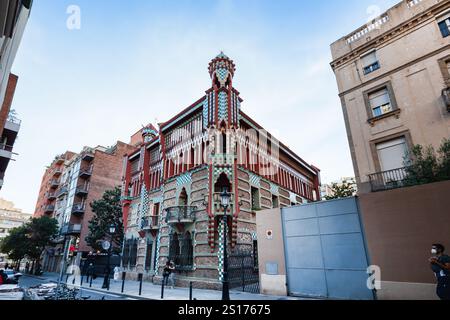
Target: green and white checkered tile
184 179
255 180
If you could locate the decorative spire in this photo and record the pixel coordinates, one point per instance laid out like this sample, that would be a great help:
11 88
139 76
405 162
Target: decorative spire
221 69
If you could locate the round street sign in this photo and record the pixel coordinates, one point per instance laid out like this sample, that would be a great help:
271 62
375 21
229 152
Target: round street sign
106 245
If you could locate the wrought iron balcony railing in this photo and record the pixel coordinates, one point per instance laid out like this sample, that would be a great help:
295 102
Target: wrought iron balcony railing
49 209
51 195
387 180
71 229
84 173
78 209
150 223
180 214
54 183
62 191
81 191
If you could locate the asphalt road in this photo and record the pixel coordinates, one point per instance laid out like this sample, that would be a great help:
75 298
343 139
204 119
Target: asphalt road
27 282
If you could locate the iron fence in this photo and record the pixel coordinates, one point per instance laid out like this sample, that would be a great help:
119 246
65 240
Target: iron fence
243 271
386 180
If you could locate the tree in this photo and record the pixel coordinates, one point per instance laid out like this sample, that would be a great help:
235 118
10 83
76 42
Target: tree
29 240
15 245
342 190
40 232
107 211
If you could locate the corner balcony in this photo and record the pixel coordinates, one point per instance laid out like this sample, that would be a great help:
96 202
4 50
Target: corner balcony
51 196
13 123
61 192
85 173
57 172
49 209
180 215
70 229
87 156
150 223
78 209
6 152
54 184
82 191
388 180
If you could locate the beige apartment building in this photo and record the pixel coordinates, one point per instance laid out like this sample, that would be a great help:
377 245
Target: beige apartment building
393 76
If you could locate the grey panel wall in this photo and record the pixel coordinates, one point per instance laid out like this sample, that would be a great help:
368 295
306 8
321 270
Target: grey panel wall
325 250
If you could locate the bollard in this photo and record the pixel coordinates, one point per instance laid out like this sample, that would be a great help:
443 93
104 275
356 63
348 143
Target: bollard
190 291
162 289
140 276
124 275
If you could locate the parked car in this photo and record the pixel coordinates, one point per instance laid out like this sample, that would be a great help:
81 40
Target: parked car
13 277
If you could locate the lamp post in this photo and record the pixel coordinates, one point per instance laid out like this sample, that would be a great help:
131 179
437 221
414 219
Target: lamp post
112 231
225 202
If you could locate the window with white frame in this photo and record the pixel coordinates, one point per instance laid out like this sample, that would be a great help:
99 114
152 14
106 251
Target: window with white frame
370 62
380 102
444 26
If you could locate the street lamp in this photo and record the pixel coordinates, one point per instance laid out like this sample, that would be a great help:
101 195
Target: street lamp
225 202
108 246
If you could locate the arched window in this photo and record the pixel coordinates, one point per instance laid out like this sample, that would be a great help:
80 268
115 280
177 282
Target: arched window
174 248
222 182
183 198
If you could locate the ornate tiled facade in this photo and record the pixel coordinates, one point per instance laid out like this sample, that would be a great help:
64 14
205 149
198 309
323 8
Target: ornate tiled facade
172 181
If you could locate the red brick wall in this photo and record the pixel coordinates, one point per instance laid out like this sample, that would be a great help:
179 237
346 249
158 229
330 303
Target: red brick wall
106 174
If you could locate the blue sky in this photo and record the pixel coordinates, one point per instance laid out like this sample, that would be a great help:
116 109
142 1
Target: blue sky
139 61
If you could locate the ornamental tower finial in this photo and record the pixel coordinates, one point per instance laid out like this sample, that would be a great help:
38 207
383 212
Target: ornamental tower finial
221 69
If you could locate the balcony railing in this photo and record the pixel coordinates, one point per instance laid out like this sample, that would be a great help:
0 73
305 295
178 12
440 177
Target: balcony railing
49 209
62 191
150 223
88 156
388 180
180 214
84 173
78 209
6 147
81 191
57 172
51 196
54 183
71 229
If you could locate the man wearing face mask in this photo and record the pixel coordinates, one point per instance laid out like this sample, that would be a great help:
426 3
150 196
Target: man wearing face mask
440 264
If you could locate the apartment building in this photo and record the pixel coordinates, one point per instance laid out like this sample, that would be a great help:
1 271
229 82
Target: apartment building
394 82
172 185
14 15
68 189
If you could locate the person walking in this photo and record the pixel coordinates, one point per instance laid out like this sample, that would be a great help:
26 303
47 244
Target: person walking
168 274
440 264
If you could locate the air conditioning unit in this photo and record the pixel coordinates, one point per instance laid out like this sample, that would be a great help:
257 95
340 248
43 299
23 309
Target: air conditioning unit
446 97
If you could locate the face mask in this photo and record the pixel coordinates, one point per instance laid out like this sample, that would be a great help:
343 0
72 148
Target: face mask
433 251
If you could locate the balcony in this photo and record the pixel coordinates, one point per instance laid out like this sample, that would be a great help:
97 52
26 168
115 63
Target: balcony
12 123
49 209
51 196
388 180
87 156
150 223
6 151
71 229
61 192
446 97
59 160
78 209
57 172
85 173
82 191
180 214
54 184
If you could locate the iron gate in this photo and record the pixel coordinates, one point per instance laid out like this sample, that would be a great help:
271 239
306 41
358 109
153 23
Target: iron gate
243 272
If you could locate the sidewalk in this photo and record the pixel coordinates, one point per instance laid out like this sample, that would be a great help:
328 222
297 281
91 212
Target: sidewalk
153 292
